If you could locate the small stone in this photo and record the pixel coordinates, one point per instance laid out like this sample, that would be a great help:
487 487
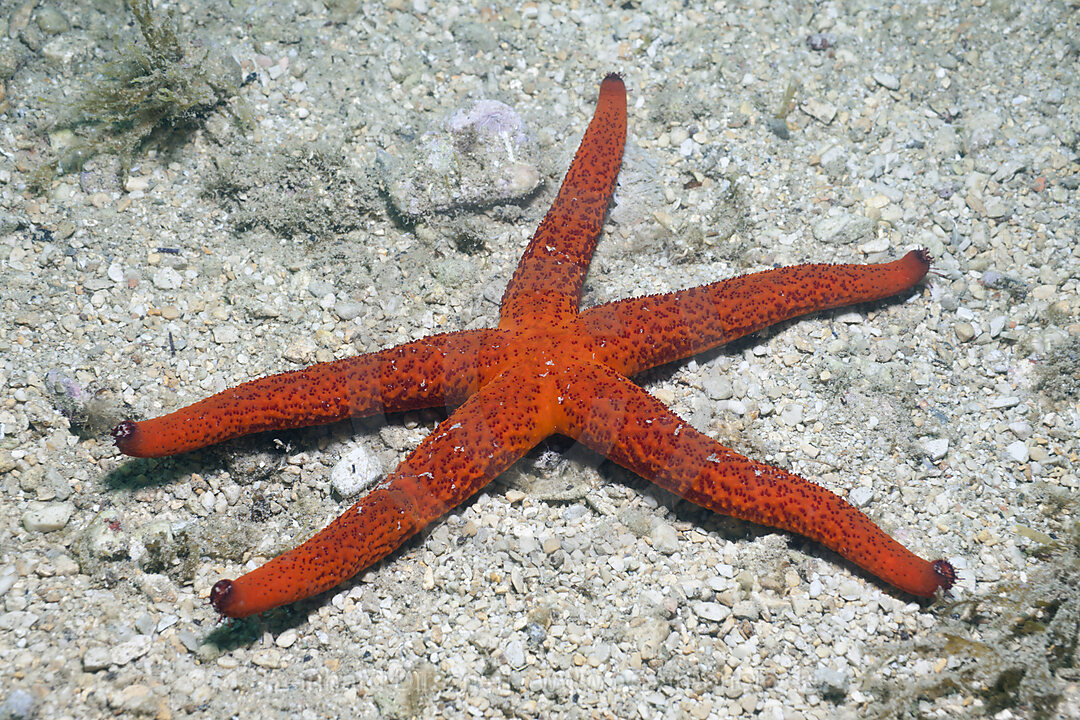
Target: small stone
746 610
51 22
1021 429
711 611
226 334
129 650
287 639
791 415
649 636
18 705
137 183
47 518
800 605
146 624
665 539
850 590
964 331
887 80
717 387
95 658
300 350
357 471
105 538
861 495
514 653
936 448
820 110
831 683
982 130
269 659
1017 451
188 639
347 309
820 41
997 324
167 279
137 699
66 566
843 229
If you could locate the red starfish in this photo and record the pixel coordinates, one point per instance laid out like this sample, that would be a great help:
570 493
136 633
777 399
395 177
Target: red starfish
547 369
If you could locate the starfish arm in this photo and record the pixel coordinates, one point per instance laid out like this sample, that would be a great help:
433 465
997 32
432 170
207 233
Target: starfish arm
640 333
611 415
479 440
437 370
546 286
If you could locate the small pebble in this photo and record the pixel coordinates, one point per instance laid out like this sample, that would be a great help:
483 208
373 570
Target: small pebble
357 471
887 80
129 650
1017 451
964 331
95 658
665 538
48 518
711 611
860 496
18 705
936 448
514 653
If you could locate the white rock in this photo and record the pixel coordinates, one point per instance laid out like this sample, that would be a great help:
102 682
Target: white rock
167 279
936 448
711 611
47 518
224 334
129 650
665 538
514 652
357 471
1017 451
861 495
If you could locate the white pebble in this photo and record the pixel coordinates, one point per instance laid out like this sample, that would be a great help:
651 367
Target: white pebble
1017 451
860 496
48 518
514 653
711 611
357 470
665 538
287 638
936 448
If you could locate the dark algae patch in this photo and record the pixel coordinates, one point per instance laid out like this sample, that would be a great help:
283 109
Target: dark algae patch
1011 650
156 90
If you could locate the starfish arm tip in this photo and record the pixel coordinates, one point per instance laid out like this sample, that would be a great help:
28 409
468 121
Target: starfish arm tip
126 436
945 572
220 595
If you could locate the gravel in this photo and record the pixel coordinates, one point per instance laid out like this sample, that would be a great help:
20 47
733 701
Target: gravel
948 414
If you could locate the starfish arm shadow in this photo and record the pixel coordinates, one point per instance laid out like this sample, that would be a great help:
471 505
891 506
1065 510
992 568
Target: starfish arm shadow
440 370
609 414
479 440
